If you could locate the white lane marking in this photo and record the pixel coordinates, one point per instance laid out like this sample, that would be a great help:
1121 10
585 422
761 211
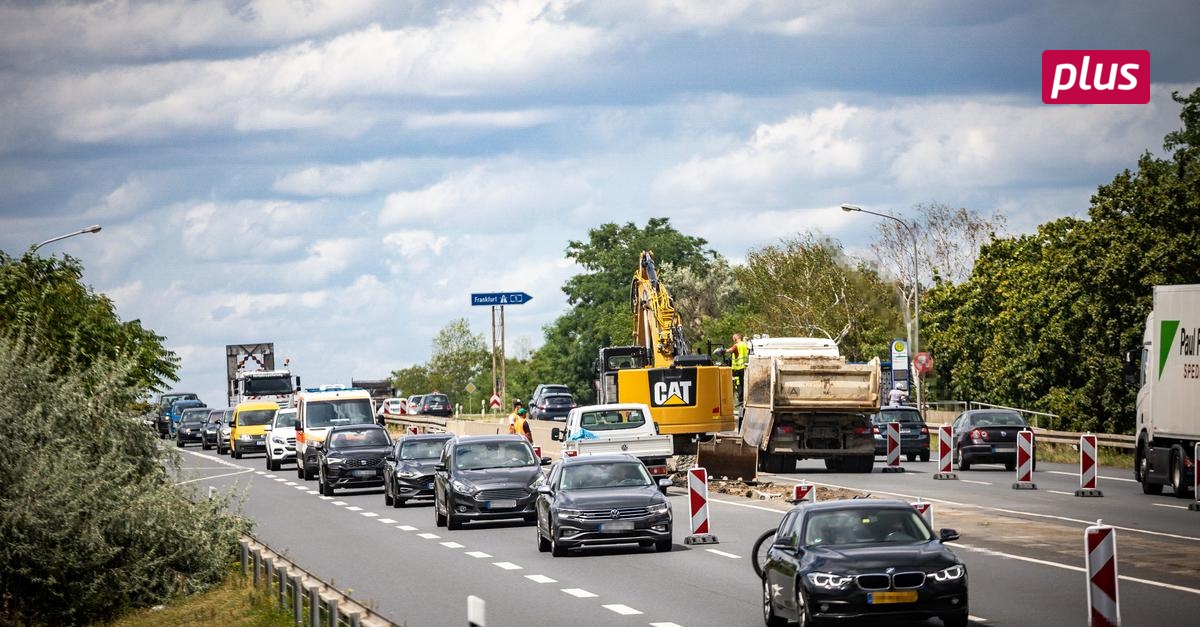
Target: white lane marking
578 593
623 610
507 566
451 545
724 554
354 508
369 514
282 479
665 625
1086 523
239 470
1078 569
291 483
975 482
227 474
1061 492
266 475
406 527
1171 506
260 472
1075 474
478 554
765 509
387 521
539 578
315 492
975 619
340 503
428 536
322 497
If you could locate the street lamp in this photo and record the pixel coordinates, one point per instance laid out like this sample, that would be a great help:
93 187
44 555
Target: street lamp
95 228
915 337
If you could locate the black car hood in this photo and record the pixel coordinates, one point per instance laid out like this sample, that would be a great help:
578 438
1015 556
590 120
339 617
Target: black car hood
928 556
498 477
608 498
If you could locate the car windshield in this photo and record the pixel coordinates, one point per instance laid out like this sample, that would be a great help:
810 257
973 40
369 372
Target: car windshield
909 417
353 411
998 420
868 525
257 386
558 399
436 398
179 406
421 449
480 455
286 419
606 475
255 417
192 421
349 438
612 420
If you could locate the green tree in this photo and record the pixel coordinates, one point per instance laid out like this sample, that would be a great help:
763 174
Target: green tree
458 357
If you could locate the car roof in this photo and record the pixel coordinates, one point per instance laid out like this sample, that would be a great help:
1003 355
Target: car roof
425 436
503 437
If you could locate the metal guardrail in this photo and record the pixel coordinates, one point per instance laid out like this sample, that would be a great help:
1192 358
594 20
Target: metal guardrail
1111 440
312 601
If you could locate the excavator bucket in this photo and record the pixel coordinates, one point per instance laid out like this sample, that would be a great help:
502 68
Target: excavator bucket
728 457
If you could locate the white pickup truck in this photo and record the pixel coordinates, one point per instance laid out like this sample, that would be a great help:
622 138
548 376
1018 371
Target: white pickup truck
616 428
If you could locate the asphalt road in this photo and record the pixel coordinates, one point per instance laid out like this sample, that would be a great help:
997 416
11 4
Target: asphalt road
1023 551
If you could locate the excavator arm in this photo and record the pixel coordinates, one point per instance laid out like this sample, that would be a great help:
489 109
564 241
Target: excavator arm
656 325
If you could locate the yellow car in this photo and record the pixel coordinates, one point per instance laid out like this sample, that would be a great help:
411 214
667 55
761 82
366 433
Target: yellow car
248 427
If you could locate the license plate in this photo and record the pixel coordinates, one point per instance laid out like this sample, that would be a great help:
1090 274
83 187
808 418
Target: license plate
366 473
1009 448
904 596
502 504
616 526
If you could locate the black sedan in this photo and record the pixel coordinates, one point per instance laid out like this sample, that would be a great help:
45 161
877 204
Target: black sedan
599 500
914 433
861 558
486 477
408 469
191 427
988 436
352 457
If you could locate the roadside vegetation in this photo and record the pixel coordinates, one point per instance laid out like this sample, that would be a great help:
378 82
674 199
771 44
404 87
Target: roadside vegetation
233 603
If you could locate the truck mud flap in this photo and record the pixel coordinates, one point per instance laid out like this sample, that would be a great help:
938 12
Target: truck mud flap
728 458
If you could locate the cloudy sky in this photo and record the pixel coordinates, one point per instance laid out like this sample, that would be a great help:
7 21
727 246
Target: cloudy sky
337 177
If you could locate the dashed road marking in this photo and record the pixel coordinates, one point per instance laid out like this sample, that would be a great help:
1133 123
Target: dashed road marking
261 472
451 545
387 521
724 554
1171 506
354 508
428 536
266 475
406 527
976 619
1061 492
665 625
340 503
540 579
975 482
623 610
1106 478
507 566
315 492
322 497
478 554
578 593
282 479
369 514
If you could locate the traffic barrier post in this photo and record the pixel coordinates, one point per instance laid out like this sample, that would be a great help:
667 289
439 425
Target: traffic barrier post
1100 553
1087 466
297 600
334 616
945 453
893 448
925 509
1195 504
476 612
804 491
698 507
314 606
1024 462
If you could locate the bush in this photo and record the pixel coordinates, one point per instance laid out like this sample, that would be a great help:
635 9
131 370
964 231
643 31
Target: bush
90 522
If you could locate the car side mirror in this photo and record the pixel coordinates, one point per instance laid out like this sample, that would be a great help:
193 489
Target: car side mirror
665 482
439 468
545 489
266 427
545 461
947 535
782 543
390 457
556 434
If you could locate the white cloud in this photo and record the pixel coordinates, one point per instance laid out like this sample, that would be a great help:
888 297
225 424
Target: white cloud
483 119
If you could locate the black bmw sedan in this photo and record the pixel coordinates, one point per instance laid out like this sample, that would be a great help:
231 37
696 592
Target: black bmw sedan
599 500
408 469
486 477
861 558
352 457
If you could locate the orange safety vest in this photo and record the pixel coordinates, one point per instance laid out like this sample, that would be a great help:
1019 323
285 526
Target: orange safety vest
521 424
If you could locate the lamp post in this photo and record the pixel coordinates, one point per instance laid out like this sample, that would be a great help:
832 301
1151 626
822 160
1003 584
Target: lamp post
95 228
915 337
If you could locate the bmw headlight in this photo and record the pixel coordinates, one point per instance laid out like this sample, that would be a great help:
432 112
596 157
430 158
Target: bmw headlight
462 487
958 571
569 512
659 508
829 581
409 474
333 461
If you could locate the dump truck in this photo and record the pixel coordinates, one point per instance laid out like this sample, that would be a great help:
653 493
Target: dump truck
1168 425
262 384
803 400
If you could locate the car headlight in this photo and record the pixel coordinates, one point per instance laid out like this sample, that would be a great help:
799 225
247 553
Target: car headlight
408 474
537 481
958 571
278 441
245 438
462 487
829 581
332 461
659 508
569 512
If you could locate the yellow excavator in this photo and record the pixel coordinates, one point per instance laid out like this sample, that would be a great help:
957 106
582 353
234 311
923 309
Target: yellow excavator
690 398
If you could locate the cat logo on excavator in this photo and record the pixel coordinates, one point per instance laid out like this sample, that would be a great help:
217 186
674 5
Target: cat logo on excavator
673 387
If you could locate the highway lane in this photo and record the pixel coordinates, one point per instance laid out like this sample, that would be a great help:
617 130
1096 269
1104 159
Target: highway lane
392 560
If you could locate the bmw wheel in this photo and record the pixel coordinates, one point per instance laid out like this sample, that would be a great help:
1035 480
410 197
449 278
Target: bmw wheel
768 608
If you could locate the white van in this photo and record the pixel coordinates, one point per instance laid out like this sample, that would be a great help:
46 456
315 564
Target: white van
323 407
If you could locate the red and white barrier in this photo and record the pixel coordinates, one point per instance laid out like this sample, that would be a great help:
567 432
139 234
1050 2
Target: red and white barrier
412 430
1024 462
804 491
925 509
1087 466
893 448
945 453
1195 504
1100 552
698 506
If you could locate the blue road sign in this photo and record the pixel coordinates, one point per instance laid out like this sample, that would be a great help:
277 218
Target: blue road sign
500 298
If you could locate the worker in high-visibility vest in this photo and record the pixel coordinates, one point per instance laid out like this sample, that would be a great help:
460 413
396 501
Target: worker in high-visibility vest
739 354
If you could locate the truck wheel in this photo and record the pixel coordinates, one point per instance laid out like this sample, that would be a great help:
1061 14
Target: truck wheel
1180 488
833 464
861 464
924 456
1141 470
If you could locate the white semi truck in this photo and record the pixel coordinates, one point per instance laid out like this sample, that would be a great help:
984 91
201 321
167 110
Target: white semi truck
1168 418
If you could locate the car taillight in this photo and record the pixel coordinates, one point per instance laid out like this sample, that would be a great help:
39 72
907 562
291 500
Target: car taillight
875 430
657 470
785 429
924 430
572 453
978 435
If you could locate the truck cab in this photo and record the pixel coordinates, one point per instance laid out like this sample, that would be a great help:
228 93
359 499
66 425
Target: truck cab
616 428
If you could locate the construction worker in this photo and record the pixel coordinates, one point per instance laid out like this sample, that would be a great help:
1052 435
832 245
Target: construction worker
512 417
741 354
521 425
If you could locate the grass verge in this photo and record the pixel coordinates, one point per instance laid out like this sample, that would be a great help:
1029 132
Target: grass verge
234 603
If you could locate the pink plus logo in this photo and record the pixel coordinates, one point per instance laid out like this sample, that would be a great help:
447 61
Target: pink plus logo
1096 76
